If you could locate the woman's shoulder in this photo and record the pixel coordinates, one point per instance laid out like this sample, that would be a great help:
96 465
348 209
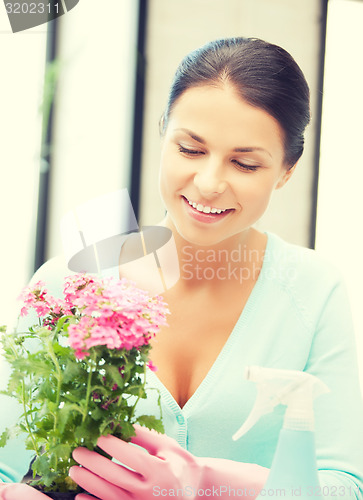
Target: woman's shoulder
303 279
300 267
52 273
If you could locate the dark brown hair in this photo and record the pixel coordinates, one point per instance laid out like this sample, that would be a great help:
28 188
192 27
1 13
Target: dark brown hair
263 74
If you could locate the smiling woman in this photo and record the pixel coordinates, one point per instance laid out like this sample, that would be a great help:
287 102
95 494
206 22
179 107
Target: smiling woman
219 153
264 75
232 133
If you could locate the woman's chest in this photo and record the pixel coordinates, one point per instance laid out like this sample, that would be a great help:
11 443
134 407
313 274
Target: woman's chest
185 351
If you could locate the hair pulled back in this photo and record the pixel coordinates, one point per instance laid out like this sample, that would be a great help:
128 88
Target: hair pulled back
263 74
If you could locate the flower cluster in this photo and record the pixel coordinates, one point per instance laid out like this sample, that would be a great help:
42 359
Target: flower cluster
80 372
113 313
37 297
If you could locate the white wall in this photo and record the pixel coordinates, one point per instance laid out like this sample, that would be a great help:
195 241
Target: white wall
340 200
22 58
177 26
91 148
94 107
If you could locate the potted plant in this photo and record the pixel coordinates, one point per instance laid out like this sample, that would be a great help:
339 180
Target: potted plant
80 372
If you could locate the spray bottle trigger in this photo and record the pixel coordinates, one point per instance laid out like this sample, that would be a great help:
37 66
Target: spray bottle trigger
261 407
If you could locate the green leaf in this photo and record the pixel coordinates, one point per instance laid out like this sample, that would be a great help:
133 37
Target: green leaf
61 351
62 451
122 429
136 390
41 466
4 438
52 406
73 371
46 424
87 433
98 413
114 374
40 367
9 433
29 444
47 393
151 422
61 323
64 414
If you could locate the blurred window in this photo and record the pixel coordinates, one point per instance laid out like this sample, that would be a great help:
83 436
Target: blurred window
22 59
340 197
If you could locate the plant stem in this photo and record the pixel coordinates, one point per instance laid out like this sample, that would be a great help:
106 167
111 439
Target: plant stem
26 419
141 390
89 386
59 385
13 348
57 368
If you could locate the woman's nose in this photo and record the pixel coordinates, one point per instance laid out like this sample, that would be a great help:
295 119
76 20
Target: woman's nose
210 179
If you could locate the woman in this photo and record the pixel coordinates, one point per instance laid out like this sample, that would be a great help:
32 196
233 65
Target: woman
232 133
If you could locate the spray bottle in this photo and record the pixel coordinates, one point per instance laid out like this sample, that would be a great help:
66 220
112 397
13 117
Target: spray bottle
293 471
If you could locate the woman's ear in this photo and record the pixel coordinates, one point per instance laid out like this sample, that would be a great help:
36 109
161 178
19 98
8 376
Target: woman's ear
162 130
162 125
285 177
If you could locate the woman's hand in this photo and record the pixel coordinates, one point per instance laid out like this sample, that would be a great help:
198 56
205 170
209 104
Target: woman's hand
161 470
19 491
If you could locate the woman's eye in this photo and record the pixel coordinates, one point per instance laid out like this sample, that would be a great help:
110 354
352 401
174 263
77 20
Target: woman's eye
244 166
191 152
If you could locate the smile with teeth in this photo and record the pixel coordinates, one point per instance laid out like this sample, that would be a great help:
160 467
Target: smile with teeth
205 209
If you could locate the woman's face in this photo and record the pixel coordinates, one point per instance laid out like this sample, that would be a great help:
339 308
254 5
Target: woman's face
221 160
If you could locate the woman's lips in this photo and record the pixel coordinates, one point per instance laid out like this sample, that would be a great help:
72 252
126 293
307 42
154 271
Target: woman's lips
204 217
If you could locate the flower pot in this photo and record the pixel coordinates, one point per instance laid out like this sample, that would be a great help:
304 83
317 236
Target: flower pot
56 495
59 495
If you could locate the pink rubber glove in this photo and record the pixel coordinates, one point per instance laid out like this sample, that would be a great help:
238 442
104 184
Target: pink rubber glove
163 471
19 491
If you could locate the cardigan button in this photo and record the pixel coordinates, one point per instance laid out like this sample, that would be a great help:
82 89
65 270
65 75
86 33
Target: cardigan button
180 419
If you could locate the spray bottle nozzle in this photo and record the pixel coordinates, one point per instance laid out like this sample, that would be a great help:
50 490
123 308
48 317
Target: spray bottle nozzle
295 389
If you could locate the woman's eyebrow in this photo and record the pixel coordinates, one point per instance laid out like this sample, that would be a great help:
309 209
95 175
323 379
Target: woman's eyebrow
235 150
251 150
191 134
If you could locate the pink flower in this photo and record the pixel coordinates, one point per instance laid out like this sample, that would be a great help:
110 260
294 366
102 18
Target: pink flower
109 312
151 366
37 298
114 313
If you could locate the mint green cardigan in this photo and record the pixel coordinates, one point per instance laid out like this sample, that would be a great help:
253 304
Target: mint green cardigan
297 317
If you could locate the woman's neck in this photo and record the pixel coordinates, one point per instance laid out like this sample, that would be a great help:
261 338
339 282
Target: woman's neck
236 259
